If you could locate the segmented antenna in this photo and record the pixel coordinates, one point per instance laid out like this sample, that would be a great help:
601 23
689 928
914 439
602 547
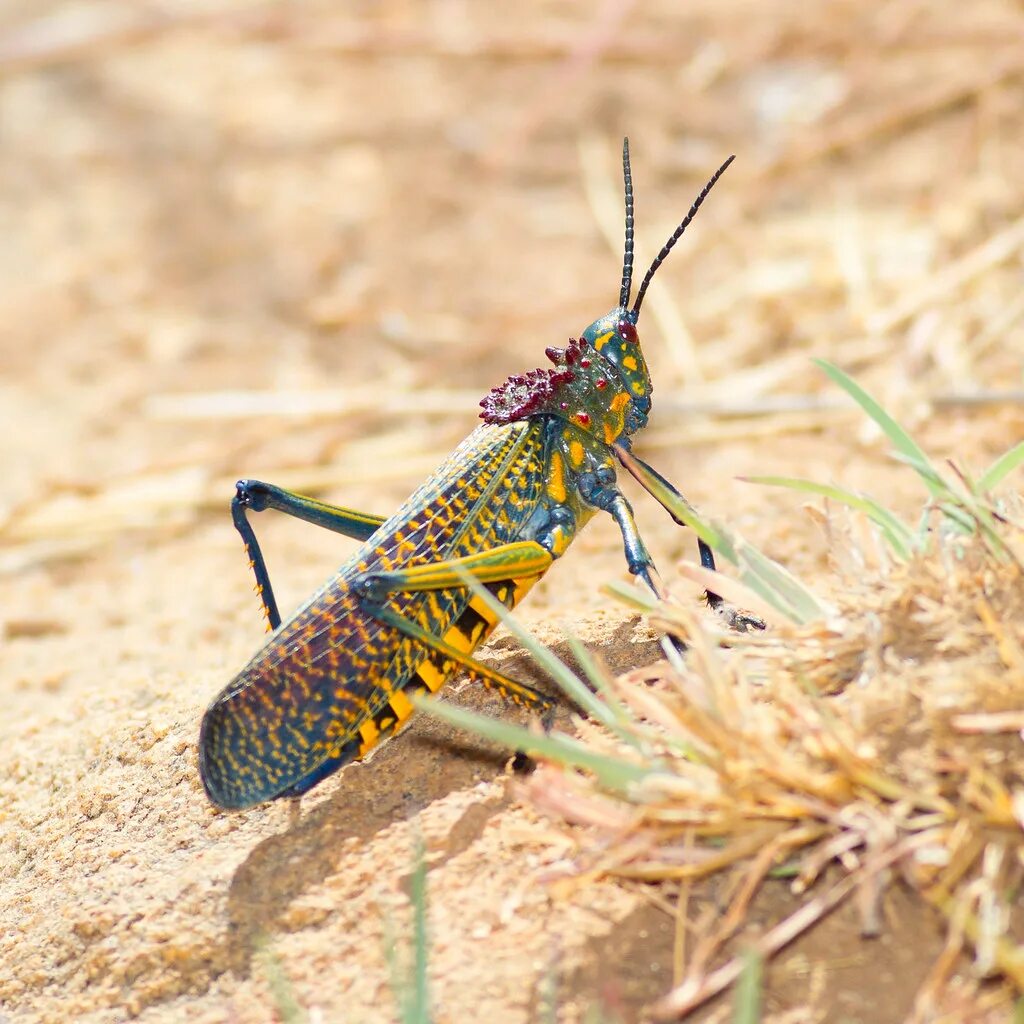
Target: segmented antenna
627 258
676 235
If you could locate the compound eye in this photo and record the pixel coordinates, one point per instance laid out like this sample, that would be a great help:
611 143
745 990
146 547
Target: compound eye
627 331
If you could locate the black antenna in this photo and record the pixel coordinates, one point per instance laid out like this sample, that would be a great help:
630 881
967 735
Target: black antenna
676 235
627 258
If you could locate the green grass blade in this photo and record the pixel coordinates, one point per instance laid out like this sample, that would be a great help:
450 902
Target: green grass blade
288 1007
1002 467
678 507
409 984
768 580
899 536
898 437
611 772
778 586
569 682
769 594
747 1006
960 517
631 596
619 719
418 1011
924 527
935 482
989 529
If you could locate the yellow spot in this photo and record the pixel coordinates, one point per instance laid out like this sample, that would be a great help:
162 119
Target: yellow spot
486 614
428 672
368 730
522 587
561 538
556 478
434 606
576 454
619 402
401 705
638 387
460 638
601 340
629 363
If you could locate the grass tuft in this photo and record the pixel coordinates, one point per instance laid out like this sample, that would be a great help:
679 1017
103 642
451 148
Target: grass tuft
964 505
748 759
740 764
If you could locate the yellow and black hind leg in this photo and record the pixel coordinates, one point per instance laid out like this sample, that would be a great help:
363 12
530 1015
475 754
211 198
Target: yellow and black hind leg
506 564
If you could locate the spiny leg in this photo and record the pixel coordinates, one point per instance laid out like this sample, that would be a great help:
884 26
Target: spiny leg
504 563
514 561
256 496
654 483
638 558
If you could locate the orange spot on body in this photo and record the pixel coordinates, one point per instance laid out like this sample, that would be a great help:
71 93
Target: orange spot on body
556 479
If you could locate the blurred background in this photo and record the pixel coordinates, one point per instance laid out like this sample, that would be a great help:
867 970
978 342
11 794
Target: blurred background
299 240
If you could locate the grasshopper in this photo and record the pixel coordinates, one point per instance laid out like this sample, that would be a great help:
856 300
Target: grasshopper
398 618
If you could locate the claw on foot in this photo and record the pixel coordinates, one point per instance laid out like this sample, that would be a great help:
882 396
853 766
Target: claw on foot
740 621
735 618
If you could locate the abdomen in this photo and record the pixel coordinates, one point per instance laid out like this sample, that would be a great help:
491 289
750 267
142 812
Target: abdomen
333 680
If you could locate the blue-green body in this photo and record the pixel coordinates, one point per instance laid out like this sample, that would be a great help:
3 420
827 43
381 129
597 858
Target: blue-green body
397 618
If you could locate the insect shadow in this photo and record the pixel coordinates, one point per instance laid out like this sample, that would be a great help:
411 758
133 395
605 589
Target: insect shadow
426 762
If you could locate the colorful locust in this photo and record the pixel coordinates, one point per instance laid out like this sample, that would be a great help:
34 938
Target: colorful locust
398 618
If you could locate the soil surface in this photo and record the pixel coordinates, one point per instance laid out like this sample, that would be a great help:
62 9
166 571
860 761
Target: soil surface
298 242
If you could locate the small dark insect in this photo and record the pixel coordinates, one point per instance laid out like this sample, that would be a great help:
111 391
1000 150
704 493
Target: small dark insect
397 619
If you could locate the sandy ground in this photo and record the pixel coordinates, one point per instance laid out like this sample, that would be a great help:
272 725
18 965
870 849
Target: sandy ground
298 242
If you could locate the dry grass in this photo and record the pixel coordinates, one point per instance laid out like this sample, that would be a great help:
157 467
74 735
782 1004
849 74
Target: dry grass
298 241
910 772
